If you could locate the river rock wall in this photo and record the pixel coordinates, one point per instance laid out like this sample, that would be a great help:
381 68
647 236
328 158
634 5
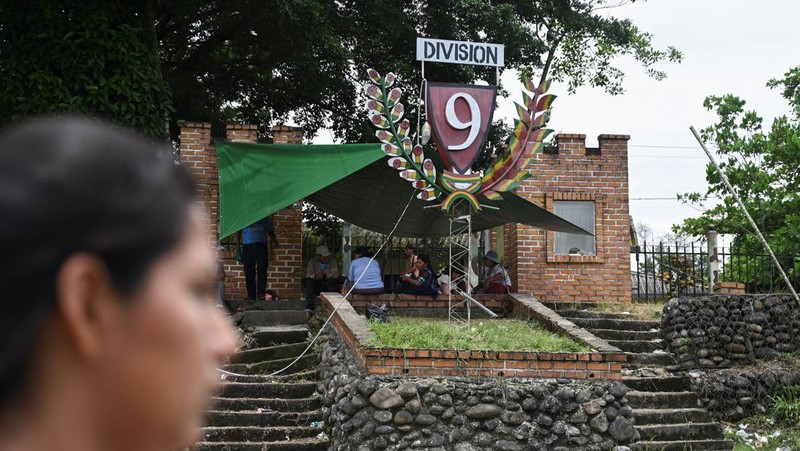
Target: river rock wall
370 412
722 331
733 394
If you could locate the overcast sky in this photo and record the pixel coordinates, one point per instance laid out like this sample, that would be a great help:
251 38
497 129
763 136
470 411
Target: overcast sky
729 46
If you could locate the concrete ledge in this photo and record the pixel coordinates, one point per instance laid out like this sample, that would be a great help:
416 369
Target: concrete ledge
604 364
529 306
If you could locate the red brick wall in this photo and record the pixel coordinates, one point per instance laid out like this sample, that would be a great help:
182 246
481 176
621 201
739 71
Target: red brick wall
199 154
573 175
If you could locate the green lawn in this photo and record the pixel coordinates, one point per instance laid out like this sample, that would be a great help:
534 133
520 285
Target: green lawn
494 335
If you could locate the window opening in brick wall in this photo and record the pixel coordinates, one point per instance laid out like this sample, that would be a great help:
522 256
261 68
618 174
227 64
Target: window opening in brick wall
580 213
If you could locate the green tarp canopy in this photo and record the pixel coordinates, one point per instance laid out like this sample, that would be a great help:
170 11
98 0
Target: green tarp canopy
351 181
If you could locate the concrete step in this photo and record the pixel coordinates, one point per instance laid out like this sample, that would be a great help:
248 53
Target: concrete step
265 404
670 416
311 375
260 318
282 351
650 359
616 334
684 431
662 400
575 314
617 324
268 390
311 444
683 445
267 305
638 345
651 384
275 335
219 418
258 434
304 363
562 306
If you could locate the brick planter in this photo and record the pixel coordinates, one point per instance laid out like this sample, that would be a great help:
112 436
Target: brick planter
605 363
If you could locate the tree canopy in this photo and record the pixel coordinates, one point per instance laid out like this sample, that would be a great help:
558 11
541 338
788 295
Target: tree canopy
763 165
274 61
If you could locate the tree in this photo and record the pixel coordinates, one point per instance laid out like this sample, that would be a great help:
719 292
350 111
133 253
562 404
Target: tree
763 165
88 57
272 61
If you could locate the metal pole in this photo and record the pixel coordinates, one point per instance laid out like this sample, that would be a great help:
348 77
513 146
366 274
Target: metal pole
746 213
713 261
346 247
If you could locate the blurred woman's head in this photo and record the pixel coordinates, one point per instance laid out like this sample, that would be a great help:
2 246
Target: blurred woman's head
107 282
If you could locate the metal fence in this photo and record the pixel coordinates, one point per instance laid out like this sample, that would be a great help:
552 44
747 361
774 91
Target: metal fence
665 270
392 258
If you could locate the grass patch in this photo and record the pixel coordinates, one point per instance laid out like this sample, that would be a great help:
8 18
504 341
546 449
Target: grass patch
494 335
637 310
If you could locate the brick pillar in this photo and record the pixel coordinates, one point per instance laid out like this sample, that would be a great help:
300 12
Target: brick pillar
199 156
235 287
286 265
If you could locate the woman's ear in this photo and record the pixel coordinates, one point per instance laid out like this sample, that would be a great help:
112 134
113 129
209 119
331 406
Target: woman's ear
84 295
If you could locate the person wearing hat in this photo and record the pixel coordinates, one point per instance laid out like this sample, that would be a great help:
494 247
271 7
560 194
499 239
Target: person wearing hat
322 274
495 278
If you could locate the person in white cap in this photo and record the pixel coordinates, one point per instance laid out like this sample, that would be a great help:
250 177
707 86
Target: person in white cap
322 274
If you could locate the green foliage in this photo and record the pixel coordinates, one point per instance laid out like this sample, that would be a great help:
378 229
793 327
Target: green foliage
495 335
85 57
272 61
786 405
763 165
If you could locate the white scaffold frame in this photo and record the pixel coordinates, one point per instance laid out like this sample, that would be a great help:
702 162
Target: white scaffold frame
460 258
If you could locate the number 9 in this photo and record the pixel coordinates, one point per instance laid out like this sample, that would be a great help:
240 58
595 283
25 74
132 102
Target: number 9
474 123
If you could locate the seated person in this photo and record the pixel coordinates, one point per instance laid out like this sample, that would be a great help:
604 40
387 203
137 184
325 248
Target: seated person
411 260
423 284
495 278
364 273
446 278
322 272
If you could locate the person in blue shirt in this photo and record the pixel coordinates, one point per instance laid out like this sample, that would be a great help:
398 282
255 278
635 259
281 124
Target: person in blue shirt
371 282
255 256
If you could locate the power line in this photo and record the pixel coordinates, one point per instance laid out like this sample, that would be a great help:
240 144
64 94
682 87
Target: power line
663 147
682 157
665 198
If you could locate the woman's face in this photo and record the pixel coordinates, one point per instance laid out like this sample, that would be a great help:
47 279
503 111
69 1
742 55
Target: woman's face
421 265
488 263
171 339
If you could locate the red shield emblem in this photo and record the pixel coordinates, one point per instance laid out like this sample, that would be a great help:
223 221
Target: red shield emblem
461 117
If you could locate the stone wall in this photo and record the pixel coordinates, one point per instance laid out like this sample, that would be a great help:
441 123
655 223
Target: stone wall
384 412
573 172
727 330
733 394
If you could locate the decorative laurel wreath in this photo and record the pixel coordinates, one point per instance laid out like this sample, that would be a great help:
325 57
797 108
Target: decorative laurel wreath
386 114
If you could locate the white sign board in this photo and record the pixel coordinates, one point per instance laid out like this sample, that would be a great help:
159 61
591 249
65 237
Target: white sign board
460 52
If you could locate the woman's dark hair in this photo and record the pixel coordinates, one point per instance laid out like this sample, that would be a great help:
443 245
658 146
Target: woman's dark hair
409 246
363 251
70 185
425 258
